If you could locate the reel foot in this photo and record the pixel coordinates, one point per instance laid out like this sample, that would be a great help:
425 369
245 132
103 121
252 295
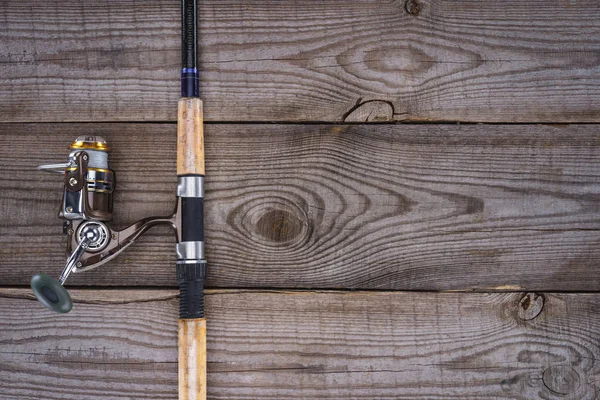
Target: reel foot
51 293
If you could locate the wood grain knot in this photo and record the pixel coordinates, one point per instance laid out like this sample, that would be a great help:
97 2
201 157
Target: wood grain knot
561 379
279 226
276 222
530 306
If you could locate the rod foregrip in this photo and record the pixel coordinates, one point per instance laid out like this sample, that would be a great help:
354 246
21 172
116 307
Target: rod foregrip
190 137
192 331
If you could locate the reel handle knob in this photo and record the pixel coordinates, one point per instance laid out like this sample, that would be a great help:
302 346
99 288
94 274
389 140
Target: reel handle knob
51 293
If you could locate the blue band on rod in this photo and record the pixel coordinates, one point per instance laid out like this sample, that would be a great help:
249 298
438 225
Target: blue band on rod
189 82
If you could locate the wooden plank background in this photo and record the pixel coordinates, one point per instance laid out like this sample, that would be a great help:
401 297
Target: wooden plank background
107 60
307 192
306 345
424 207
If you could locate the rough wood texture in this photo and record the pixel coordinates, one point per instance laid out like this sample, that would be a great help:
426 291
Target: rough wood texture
304 60
192 359
389 207
305 345
190 137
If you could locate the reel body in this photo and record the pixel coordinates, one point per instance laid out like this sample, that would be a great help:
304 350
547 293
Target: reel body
86 209
89 183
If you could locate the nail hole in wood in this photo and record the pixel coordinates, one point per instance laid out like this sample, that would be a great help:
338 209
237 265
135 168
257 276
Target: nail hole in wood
530 306
412 7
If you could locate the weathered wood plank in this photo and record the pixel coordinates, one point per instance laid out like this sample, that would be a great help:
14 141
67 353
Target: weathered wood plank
305 345
99 60
387 206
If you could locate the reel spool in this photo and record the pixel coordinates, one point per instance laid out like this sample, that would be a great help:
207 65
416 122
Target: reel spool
86 207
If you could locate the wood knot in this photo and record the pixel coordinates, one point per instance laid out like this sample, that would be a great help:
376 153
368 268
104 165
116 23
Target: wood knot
530 306
279 226
275 222
412 7
561 379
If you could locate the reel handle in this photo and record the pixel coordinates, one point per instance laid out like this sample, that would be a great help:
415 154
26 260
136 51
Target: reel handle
51 292
75 256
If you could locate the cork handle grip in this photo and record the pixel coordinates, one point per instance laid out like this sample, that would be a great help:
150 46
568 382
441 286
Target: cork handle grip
192 359
190 137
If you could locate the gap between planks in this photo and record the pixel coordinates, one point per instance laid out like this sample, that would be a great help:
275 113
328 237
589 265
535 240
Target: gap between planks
272 289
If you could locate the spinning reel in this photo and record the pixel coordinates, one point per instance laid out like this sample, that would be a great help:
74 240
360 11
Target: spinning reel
86 208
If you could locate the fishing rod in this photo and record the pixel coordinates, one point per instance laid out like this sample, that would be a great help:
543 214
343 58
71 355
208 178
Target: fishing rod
87 205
